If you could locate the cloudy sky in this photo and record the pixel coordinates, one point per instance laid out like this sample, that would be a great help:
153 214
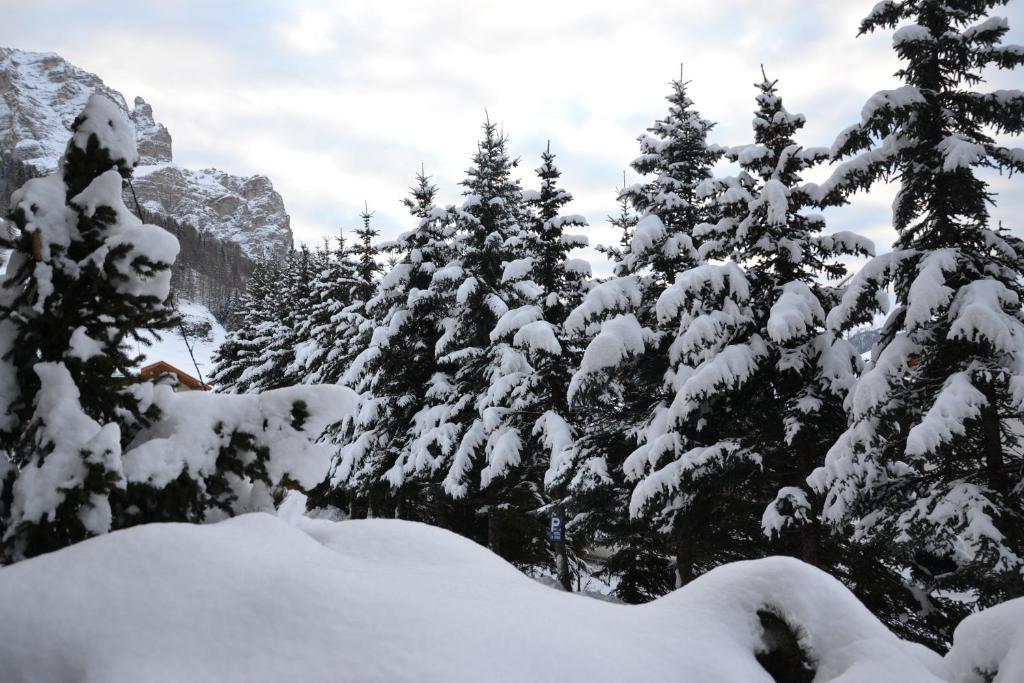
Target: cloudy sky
341 101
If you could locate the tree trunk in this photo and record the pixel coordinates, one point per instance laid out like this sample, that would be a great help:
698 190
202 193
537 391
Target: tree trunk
684 563
562 557
810 543
494 530
994 462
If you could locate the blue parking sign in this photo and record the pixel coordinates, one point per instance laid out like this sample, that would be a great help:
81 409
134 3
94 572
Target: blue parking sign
556 532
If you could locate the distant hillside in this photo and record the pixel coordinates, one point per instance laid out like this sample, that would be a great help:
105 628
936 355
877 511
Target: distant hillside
864 340
222 221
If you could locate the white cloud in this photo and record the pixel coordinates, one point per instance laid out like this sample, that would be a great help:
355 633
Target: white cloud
310 31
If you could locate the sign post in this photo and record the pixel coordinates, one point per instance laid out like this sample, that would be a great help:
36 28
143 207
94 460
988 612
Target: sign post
556 535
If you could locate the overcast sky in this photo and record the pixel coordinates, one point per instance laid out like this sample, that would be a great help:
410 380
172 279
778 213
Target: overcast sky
340 102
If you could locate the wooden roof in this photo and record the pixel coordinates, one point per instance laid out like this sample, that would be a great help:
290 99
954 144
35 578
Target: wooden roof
154 370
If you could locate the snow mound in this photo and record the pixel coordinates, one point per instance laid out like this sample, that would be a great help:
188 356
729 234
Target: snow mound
989 646
256 598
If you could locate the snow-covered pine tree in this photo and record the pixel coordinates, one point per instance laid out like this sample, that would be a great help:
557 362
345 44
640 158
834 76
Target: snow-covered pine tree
675 156
86 279
319 349
277 337
621 384
355 323
306 351
365 252
541 356
351 331
275 340
257 309
478 366
929 470
231 311
625 221
383 447
257 357
758 381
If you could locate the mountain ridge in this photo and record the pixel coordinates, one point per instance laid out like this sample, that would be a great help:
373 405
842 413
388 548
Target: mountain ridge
224 222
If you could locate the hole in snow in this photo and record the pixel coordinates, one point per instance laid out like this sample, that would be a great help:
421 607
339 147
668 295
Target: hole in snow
783 657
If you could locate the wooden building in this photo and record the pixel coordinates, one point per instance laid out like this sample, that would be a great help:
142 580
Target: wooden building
182 380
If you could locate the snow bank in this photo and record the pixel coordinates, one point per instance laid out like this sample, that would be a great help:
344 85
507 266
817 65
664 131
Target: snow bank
989 646
256 598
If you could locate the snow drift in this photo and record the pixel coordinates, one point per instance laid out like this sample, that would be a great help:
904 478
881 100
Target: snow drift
261 598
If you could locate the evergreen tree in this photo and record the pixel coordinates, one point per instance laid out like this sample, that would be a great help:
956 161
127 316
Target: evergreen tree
676 158
85 280
237 360
928 471
478 367
624 222
758 383
383 459
621 384
320 351
534 407
365 254
262 354
356 323
274 338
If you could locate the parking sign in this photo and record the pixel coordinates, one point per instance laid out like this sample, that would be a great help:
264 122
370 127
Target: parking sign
556 532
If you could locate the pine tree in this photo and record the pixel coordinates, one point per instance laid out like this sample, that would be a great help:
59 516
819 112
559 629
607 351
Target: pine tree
675 155
274 336
928 470
242 364
241 349
365 254
758 383
382 457
620 384
534 407
477 366
85 280
356 323
320 353
624 222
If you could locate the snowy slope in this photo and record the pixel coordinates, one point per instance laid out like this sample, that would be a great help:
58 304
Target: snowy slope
257 598
204 334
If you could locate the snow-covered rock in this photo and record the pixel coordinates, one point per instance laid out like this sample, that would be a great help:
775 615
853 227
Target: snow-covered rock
244 210
40 96
154 141
259 598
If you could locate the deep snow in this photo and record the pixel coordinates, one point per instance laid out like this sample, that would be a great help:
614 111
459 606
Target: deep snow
264 598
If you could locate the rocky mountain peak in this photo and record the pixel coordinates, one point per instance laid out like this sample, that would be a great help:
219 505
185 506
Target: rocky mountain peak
40 96
153 138
222 221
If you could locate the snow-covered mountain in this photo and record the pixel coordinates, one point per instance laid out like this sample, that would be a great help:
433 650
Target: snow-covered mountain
223 221
864 340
